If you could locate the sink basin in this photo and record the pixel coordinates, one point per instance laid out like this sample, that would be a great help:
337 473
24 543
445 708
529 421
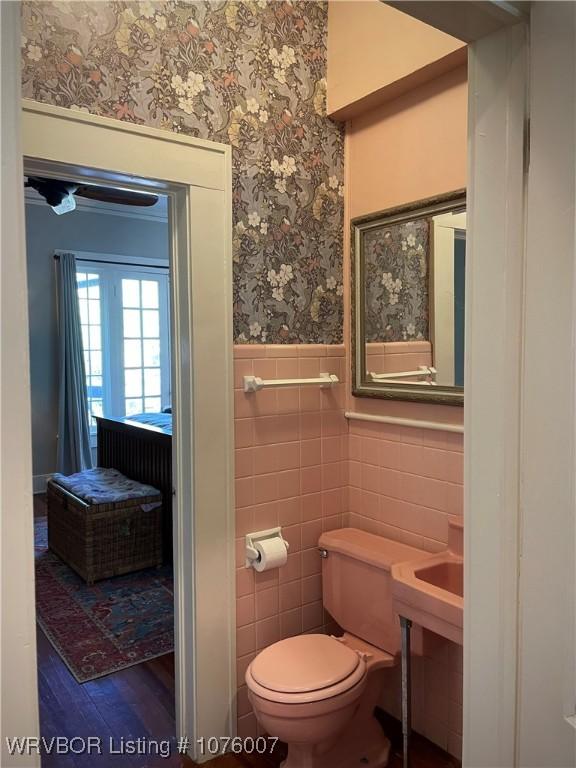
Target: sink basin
447 575
429 592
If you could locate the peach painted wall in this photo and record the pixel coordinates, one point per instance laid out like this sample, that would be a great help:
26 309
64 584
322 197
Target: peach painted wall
409 148
291 470
404 482
372 47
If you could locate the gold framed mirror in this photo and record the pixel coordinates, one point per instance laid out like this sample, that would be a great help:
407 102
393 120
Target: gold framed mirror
408 301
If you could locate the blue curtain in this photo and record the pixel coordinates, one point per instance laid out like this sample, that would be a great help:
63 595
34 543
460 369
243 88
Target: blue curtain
73 426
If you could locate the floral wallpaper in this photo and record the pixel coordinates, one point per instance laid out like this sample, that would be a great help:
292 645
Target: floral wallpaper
251 74
396 281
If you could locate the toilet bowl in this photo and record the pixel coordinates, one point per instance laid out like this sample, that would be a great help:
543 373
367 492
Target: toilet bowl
318 693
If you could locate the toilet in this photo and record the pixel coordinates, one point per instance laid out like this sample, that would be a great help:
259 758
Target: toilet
317 693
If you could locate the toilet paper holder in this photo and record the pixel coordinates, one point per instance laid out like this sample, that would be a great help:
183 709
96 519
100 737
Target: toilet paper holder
251 552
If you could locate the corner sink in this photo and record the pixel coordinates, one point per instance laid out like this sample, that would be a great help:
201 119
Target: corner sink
430 591
448 576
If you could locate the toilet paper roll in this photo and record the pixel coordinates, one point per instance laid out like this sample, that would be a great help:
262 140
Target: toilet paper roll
271 554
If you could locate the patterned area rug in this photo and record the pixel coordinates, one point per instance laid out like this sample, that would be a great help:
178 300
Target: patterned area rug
111 625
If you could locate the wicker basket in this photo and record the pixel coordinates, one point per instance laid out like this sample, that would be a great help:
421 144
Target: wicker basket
103 540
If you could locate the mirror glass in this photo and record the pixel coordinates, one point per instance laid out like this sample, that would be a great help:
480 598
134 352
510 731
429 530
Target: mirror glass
409 270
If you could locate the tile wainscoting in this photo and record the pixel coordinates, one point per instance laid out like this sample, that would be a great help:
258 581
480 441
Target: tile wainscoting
291 470
301 465
404 484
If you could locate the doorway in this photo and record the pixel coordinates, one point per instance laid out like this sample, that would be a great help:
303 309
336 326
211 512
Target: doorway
104 580
195 177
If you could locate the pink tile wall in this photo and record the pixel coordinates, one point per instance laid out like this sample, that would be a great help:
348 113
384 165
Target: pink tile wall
404 484
436 692
391 357
291 470
301 465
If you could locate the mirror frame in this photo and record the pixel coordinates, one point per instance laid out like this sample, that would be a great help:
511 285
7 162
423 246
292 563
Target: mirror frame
361 387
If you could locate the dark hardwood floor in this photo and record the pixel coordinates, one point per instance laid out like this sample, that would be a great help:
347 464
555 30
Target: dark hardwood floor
138 703
135 702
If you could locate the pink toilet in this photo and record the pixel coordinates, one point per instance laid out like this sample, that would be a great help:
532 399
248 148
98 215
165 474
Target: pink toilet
318 693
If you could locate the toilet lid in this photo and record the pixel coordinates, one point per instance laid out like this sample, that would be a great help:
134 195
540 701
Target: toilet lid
304 663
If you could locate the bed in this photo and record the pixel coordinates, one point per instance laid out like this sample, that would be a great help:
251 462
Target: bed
141 448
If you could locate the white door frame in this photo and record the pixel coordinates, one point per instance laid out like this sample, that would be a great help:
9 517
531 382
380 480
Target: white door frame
547 621
196 176
498 71
19 692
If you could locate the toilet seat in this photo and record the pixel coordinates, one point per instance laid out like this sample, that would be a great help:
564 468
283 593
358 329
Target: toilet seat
304 669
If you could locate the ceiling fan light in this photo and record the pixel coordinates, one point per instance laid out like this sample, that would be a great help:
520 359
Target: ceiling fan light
67 204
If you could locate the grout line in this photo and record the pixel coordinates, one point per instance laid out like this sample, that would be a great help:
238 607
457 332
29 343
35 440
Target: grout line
397 527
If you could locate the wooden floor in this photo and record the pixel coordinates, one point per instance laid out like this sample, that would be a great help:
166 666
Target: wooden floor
132 703
138 703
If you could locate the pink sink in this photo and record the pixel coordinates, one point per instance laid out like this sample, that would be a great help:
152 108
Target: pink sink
447 575
429 591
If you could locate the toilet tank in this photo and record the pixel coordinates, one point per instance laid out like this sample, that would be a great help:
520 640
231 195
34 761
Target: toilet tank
357 583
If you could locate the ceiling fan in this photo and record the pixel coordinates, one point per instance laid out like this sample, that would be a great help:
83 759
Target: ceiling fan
61 194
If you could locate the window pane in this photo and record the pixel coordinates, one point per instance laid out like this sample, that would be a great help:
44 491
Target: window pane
132 323
133 382
94 336
151 352
132 353
95 386
82 285
89 304
94 310
131 293
150 323
96 363
133 405
83 306
149 293
152 382
93 287
152 405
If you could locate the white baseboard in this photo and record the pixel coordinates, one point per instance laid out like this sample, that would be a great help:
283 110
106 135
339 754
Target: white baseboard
39 483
